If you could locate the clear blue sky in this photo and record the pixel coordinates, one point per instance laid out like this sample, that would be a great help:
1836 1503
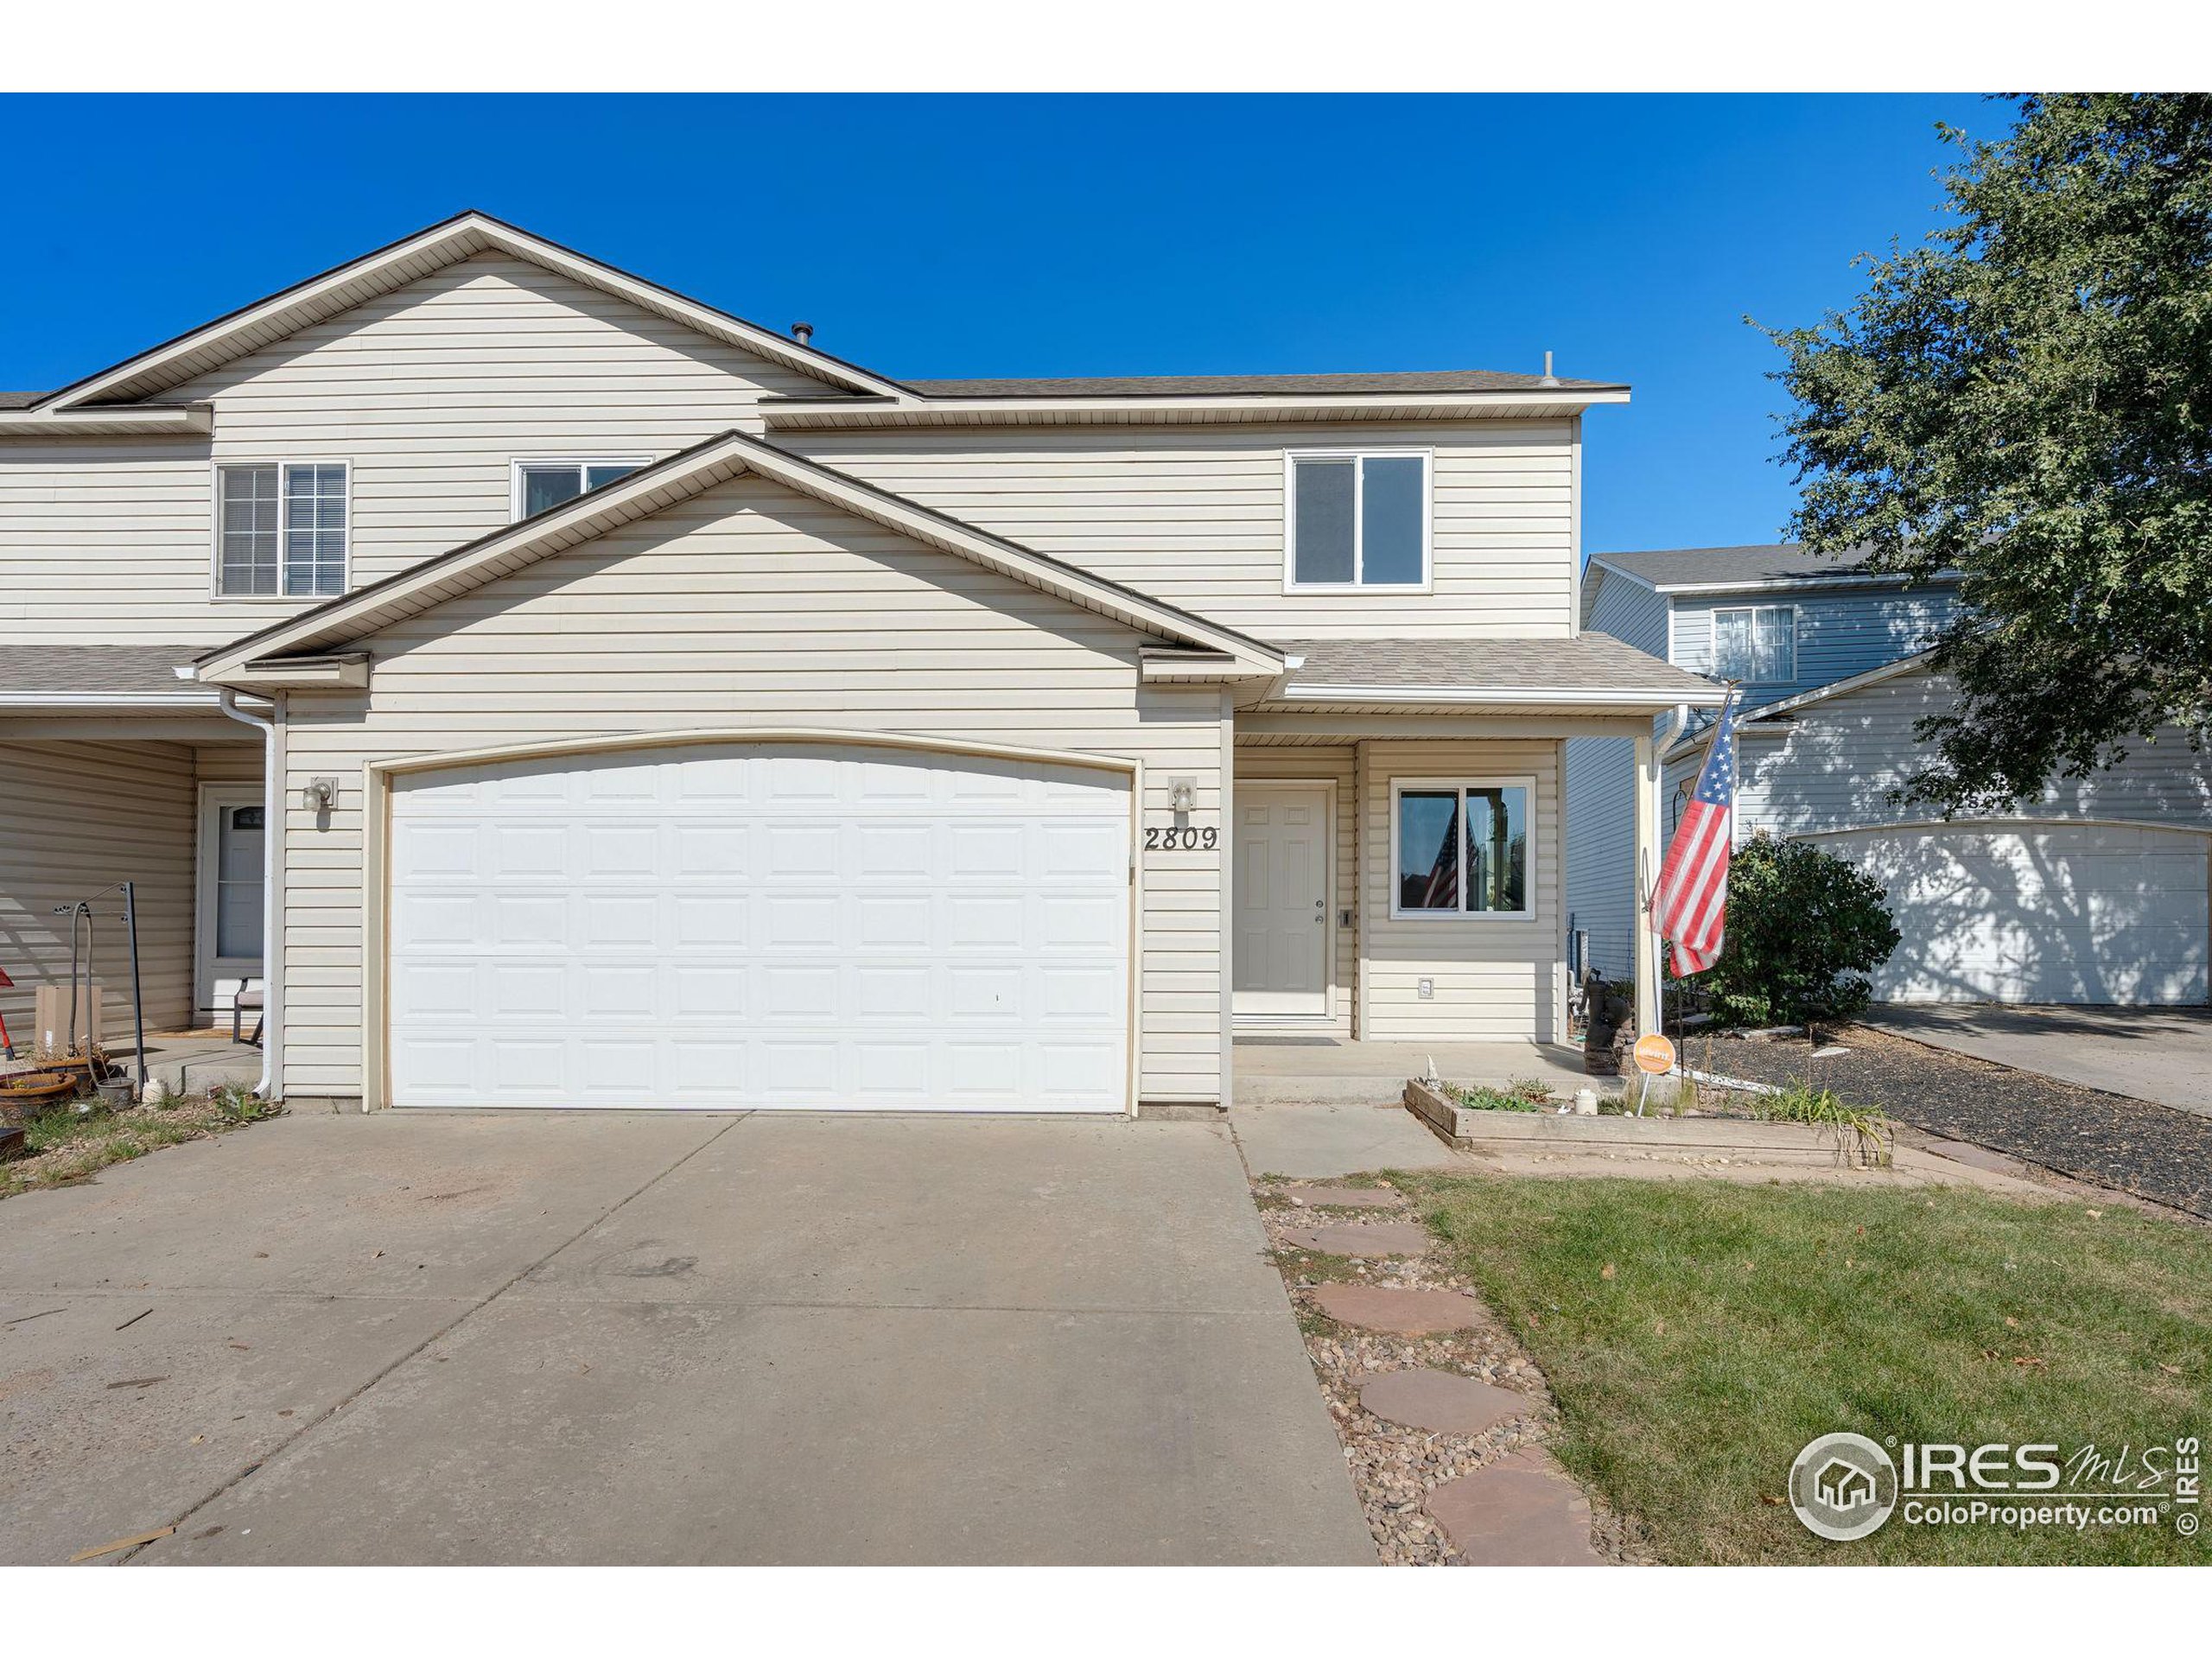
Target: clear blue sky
1041 236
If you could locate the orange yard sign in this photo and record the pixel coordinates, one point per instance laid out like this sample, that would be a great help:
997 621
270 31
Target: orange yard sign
1655 1054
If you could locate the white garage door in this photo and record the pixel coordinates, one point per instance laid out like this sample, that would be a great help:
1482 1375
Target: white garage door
2069 913
807 928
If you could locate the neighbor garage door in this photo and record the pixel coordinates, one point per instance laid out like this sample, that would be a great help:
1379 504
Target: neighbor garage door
2064 913
813 928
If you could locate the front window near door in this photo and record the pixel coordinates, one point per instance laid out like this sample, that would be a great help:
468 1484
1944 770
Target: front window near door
238 883
540 485
1462 848
1358 521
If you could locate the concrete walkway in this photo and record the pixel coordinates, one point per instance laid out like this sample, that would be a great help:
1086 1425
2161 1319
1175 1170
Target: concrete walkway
2156 1054
658 1337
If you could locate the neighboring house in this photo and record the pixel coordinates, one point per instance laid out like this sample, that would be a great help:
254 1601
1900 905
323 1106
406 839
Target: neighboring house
592 698
2096 892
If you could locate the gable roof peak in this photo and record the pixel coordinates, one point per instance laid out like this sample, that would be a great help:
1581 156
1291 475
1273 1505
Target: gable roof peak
448 241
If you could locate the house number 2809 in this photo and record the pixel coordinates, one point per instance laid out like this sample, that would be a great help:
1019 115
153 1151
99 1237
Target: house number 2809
1181 838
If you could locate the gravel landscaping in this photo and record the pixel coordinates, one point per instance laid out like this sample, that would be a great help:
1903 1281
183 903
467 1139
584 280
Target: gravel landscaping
1395 1468
2154 1152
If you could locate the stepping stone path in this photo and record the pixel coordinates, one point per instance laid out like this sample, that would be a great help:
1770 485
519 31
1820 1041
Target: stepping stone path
1348 1198
1402 1313
1380 1238
1520 1511
1440 1402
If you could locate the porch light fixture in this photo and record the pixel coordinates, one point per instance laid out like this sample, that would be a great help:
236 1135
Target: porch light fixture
319 795
1182 794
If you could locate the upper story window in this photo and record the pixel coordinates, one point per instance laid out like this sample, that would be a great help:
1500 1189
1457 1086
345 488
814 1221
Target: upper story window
1358 520
541 484
280 530
1756 644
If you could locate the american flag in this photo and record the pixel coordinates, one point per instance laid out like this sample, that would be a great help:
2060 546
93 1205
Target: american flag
1692 899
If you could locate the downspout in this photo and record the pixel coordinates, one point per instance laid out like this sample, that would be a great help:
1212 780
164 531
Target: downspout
271 727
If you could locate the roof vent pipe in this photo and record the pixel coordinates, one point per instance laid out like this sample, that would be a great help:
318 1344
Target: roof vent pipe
802 332
1549 379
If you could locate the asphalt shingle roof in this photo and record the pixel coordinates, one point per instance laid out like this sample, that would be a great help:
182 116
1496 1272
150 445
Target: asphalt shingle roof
95 668
1696 566
1232 385
1588 662
19 399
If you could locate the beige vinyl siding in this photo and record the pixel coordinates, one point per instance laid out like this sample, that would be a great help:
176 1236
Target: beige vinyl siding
753 607
230 763
430 392
74 819
1317 765
1494 980
1195 515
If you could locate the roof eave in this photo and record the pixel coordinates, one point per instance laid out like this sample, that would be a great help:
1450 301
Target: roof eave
1613 699
110 419
796 413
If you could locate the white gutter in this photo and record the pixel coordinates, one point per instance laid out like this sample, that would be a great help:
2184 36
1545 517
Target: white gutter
1547 696
107 700
271 727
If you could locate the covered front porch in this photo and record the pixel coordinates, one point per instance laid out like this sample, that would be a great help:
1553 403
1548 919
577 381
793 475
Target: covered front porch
1398 847
114 770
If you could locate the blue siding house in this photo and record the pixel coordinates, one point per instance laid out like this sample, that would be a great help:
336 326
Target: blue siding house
2096 892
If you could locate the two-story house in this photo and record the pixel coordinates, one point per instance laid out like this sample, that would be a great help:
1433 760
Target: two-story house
554 690
2093 894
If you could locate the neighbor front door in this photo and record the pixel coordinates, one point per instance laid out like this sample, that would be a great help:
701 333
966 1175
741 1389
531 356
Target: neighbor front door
1281 914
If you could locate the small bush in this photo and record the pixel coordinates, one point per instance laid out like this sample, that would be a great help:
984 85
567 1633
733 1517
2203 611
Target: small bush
1803 930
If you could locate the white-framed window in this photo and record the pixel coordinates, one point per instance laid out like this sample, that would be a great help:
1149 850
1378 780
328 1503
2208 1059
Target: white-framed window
281 529
1756 644
1356 519
545 483
1459 846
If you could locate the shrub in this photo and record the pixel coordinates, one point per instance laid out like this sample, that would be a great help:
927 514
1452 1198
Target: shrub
1803 930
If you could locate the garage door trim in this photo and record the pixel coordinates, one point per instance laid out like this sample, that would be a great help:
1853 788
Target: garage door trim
376 792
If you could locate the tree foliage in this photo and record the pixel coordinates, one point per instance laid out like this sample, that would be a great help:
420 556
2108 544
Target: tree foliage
2027 399
1804 930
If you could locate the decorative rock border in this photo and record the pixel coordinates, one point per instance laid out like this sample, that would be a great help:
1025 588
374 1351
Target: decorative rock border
1398 1466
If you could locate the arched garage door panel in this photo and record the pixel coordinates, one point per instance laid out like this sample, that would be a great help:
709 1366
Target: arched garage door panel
736 926
2111 914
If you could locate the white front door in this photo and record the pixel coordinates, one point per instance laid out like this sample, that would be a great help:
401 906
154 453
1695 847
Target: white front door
231 862
1283 900
730 926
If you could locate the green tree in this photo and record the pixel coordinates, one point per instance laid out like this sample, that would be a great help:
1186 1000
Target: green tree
1804 930
2027 399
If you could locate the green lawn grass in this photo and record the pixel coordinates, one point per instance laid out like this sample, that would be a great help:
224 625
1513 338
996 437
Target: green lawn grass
1737 1322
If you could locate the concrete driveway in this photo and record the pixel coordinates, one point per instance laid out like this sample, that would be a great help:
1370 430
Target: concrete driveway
2160 1054
637 1337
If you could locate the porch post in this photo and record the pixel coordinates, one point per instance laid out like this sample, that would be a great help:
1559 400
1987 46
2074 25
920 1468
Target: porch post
1646 877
